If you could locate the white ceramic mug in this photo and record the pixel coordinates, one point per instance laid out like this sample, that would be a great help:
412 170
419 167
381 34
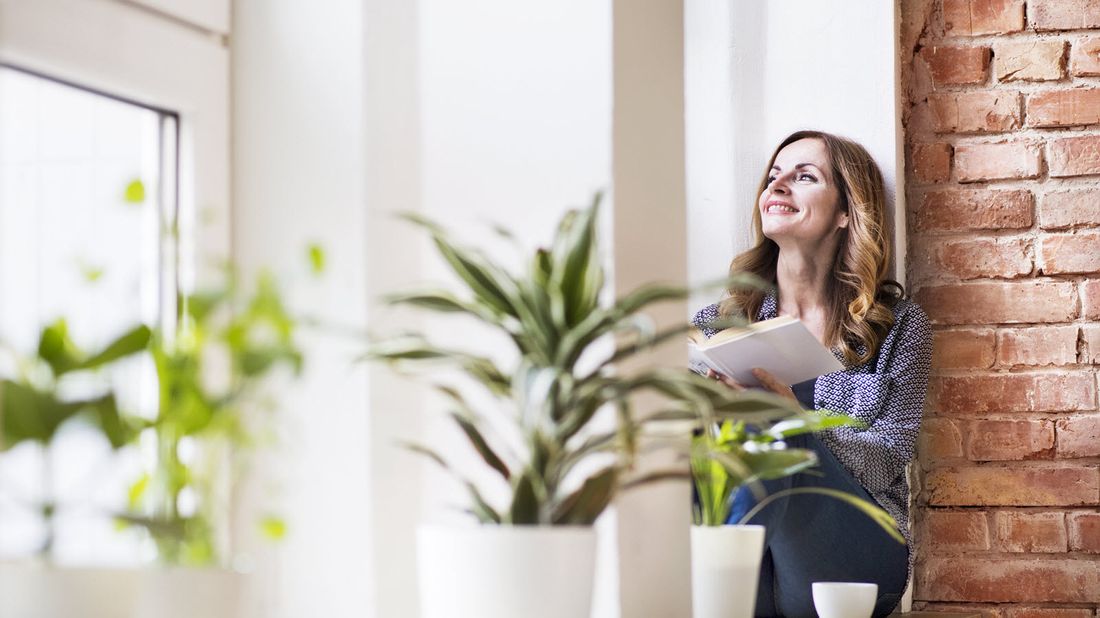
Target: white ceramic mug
844 600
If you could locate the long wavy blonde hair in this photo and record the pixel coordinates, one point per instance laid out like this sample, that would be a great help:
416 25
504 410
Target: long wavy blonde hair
860 296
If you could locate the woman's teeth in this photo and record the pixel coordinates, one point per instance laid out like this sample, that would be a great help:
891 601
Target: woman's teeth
781 208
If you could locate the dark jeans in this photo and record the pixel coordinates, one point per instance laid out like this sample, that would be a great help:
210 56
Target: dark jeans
815 538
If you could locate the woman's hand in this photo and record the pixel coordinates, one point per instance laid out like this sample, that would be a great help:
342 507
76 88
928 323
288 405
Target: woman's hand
768 382
773 384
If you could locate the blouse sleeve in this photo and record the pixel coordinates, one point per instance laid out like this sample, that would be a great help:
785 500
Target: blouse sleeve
890 401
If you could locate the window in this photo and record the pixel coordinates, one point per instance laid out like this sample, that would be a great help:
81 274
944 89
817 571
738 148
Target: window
87 196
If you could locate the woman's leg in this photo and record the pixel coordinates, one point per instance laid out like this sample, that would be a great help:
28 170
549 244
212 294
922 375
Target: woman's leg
811 538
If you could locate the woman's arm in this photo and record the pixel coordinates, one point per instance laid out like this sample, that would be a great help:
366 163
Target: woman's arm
890 401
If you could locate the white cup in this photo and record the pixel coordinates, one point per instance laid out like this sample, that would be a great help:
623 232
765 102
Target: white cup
844 600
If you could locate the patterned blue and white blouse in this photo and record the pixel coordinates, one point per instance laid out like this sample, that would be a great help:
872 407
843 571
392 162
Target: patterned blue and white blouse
887 393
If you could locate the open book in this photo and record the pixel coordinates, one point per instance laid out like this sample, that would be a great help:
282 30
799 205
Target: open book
783 346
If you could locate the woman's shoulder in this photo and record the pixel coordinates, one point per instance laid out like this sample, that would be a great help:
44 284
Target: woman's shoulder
910 320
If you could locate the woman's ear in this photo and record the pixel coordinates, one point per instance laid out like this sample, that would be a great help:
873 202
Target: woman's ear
843 222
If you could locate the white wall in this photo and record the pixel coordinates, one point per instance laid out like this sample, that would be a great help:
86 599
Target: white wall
757 71
299 165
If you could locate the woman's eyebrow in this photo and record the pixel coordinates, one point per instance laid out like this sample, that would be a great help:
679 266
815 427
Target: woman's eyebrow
799 166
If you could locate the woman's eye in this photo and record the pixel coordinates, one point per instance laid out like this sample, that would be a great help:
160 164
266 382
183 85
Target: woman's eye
771 179
806 176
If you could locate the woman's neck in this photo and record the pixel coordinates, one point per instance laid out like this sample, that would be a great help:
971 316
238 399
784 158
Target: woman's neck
803 277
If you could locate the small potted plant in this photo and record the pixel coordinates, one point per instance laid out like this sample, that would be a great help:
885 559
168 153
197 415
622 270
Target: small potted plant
534 554
727 456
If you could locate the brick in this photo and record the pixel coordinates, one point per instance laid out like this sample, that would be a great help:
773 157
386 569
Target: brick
1090 334
1064 14
985 258
1090 300
1000 303
1002 486
1084 57
975 112
954 66
1064 209
975 162
1078 436
974 209
1033 60
955 530
1070 253
989 440
985 611
1064 108
1084 532
974 17
932 162
963 349
1037 345
1030 532
1047 612
1012 580
976 395
1075 156
939 439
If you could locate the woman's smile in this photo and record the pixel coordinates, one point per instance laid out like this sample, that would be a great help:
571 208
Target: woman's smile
777 207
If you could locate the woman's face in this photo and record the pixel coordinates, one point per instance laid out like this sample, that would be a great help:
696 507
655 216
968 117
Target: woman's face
801 203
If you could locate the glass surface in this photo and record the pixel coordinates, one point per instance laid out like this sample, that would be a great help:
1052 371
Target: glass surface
76 244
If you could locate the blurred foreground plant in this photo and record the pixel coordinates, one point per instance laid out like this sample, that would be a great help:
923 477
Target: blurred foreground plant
211 372
35 403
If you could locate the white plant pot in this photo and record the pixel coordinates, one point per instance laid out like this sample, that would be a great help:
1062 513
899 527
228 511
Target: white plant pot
725 567
506 571
40 591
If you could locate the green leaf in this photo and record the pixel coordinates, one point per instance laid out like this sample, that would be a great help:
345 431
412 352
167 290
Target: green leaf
811 422
577 271
272 528
316 259
525 503
134 192
481 509
769 464
877 515
584 506
28 414
131 342
486 282
110 422
137 492
481 445
91 273
55 347
646 295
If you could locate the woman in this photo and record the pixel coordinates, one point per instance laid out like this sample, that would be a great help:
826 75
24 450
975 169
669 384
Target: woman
821 238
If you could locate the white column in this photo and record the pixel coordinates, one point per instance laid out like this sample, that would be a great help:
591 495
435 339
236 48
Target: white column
298 84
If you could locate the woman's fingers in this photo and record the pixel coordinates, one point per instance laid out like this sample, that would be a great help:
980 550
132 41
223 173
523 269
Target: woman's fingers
773 384
724 379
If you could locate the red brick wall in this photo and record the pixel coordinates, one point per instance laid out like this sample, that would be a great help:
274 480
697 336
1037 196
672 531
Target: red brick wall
1003 170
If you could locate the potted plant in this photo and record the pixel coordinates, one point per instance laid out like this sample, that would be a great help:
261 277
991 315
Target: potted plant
725 457
211 372
533 555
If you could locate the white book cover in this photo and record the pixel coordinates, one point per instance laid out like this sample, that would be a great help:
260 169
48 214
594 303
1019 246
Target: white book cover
782 346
